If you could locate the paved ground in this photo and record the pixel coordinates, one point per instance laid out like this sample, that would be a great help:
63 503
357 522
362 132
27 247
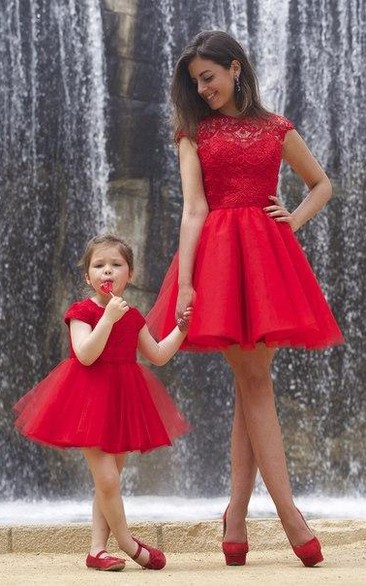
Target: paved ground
344 565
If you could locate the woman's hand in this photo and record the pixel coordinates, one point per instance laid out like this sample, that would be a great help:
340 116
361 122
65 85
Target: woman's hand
186 295
279 213
115 309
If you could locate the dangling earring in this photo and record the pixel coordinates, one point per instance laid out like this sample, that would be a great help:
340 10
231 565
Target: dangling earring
237 84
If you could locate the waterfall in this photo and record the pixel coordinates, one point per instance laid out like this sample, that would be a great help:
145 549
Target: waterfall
53 178
55 107
308 57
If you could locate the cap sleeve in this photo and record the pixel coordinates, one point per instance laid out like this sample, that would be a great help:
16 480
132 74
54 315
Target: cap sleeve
139 319
80 311
283 126
179 135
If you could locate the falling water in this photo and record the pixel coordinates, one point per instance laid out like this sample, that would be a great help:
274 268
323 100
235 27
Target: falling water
53 182
53 174
308 59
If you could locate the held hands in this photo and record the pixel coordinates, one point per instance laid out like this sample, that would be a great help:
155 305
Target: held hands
186 295
279 213
116 308
185 301
184 319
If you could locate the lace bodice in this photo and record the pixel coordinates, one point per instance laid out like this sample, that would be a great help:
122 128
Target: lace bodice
240 159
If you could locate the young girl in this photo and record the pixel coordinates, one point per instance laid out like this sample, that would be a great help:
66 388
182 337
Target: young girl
240 262
102 401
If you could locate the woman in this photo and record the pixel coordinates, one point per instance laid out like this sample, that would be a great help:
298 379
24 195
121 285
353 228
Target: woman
241 266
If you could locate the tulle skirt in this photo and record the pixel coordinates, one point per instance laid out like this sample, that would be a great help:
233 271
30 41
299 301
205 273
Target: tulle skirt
117 407
253 284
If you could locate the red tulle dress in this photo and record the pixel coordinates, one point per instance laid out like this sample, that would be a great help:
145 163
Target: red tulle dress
114 404
252 280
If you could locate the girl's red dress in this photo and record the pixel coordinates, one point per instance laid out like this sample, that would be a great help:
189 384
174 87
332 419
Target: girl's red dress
115 404
252 280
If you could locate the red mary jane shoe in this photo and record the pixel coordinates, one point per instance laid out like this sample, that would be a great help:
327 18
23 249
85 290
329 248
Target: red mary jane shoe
106 564
157 559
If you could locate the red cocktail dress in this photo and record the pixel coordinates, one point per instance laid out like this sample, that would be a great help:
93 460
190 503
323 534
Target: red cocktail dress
114 404
252 280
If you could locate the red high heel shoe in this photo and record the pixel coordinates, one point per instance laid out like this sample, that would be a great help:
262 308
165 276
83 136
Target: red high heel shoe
309 553
235 552
157 559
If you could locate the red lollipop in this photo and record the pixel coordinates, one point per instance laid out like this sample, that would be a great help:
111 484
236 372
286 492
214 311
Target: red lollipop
107 287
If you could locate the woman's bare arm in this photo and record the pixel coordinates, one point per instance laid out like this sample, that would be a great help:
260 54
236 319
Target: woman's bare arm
303 162
195 210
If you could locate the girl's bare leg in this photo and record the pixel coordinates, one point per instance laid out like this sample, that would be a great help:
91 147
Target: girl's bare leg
100 527
253 376
104 470
243 473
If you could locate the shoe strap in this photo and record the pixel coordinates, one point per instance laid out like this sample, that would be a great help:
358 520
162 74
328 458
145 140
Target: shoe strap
139 548
108 557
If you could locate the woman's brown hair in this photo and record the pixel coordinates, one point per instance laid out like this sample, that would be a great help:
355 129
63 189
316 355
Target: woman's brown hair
223 49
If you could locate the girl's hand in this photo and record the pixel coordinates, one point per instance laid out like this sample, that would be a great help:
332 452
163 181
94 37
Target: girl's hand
184 320
185 300
116 308
280 214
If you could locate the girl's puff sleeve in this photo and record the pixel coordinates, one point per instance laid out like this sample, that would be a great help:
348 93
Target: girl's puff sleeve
80 311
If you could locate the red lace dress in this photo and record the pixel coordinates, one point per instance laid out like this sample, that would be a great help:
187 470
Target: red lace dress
252 280
114 404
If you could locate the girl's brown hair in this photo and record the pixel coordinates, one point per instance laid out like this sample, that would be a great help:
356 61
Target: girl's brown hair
109 239
223 49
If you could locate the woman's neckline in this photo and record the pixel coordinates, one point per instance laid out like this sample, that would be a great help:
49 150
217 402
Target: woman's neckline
250 119
235 119
239 117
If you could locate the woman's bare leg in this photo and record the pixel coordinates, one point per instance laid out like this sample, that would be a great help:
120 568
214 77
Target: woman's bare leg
243 473
100 527
104 470
252 372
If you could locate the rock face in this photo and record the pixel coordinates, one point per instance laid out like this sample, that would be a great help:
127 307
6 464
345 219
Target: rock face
86 144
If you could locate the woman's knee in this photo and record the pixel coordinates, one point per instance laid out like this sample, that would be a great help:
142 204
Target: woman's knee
255 382
252 375
252 370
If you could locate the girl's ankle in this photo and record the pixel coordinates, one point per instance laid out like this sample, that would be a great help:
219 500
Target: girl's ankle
94 551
